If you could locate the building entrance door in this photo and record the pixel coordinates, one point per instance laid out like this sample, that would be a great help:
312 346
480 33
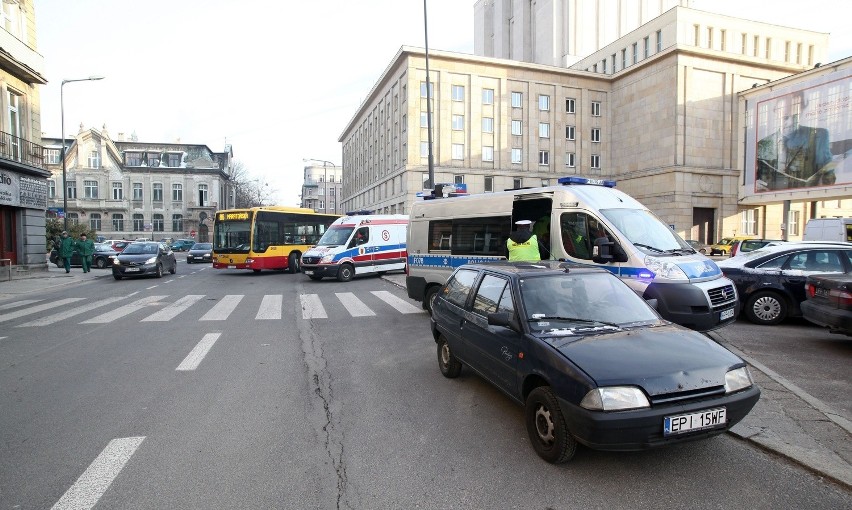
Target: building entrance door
8 249
703 219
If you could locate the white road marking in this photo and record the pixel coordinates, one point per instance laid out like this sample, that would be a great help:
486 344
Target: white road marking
312 307
222 310
123 310
37 308
61 316
354 306
194 358
152 287
173 310
270 307
16 304
92 484
401 305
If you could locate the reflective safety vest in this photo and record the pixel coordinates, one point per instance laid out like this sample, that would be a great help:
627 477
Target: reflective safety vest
524 251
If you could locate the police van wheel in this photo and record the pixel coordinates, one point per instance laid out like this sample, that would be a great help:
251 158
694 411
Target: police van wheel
431 292
345 273
293 263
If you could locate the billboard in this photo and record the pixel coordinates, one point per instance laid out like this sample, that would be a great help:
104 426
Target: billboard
799 137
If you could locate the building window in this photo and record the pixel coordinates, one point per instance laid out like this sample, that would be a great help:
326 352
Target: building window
749 219
696 34
569 105
458 179
132 159
73 218
596 109
202 195
569 159
487 153
94 159
793 223
90 189
177 222
487 125
516 156
424 149
117 191
543 130
516 127
623 58
799 53
158 223
174 160
723 39
487 96
51 189
756 49
595 161
744 43
137 191
426 183
458 122
177 192
95 222
768 48
613 62
659 41
544 103
517 99
596 135
545 183
157 192
458 151
517 183
431 89
51 156
710 38
458 93
71 189
425 117
489 184
543 158
603 66
569 132
117 222
635 52
647 48
138 223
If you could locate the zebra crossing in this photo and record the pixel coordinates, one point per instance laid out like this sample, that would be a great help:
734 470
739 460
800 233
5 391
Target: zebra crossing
165 308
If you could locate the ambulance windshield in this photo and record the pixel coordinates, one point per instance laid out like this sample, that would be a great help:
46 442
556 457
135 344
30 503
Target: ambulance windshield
335 236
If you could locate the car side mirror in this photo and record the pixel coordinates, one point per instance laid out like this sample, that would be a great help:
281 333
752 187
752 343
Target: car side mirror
606 251
504 319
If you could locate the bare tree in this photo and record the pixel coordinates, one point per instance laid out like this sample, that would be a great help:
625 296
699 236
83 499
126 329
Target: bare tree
248 191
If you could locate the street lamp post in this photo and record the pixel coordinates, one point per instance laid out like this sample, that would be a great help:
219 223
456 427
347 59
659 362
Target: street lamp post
325 183
62 153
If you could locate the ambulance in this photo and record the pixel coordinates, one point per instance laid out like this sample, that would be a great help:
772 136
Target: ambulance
358 244
581 220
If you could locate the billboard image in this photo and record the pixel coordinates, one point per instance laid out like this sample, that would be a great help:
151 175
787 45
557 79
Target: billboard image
800 137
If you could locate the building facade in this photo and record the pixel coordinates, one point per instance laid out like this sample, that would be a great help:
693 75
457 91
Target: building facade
126 189
663 122
321 187
23 177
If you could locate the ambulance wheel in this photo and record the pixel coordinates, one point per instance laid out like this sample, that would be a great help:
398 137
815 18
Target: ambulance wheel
315 277
431 292
345 273
293 263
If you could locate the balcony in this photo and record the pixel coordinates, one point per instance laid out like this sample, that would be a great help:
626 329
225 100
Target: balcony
23 152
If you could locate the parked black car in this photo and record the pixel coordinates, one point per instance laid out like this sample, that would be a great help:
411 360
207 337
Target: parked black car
771 280
102 258
200 252
144 258
589 359
828 302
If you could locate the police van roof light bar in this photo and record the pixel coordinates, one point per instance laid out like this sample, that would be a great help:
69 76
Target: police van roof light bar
573 179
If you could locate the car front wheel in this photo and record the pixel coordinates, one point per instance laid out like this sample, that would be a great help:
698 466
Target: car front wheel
766 308
159 272
450 365
100 263
345 273
546 426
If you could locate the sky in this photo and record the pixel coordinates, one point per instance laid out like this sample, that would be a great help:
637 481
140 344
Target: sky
278 80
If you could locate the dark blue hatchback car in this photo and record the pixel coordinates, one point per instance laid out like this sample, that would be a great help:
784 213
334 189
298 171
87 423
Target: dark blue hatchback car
589 359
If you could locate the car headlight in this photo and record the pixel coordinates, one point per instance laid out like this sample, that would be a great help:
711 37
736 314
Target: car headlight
327 259
615 398
664 268
116 262
737 379
152 260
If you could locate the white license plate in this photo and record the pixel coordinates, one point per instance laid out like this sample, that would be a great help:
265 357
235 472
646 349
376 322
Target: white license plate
232 267
132 270
726 314
681 423
309 273
821 292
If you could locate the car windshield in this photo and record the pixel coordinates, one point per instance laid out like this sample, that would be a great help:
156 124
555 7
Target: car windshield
101 247
555 303
335 236
645 231
140 248
202 246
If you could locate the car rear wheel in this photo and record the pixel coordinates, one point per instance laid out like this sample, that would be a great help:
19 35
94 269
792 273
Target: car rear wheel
173 270
766 308
294 264
100 263
546 426
450 365
345 273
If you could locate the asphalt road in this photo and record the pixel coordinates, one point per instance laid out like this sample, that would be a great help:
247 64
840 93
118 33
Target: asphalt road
302 394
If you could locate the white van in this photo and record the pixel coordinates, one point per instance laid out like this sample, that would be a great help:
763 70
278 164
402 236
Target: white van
356 245
828 229
593 223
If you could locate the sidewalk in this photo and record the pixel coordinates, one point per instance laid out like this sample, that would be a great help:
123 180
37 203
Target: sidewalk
786 421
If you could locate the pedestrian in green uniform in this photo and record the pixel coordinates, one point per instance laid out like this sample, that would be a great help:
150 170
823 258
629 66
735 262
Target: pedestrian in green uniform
66 249
86 248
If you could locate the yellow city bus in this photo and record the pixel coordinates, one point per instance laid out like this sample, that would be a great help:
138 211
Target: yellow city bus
266 237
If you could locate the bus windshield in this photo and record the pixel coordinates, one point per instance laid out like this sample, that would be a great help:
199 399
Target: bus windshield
232 236
336 236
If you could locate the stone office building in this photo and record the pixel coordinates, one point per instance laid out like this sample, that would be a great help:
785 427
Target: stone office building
126 189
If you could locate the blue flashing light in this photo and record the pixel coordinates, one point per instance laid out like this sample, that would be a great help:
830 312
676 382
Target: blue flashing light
646 275
573 179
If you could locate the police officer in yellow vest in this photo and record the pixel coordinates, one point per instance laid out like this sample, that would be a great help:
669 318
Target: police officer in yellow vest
522 243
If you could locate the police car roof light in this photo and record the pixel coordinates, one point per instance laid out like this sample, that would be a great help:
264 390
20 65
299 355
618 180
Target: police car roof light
573 179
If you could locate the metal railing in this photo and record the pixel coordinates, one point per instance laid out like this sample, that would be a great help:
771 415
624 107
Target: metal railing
23 151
